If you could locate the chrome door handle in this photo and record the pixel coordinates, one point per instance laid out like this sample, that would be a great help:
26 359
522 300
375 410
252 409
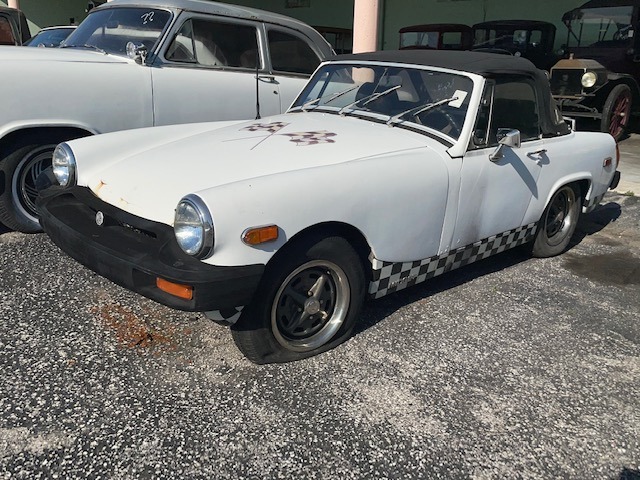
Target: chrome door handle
537 152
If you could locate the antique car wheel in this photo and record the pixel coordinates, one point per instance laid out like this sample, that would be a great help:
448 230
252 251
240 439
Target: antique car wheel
18 201
558 222
308 302
616 111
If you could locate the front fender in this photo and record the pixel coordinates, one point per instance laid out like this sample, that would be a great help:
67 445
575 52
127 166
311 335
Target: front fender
28 124
397 201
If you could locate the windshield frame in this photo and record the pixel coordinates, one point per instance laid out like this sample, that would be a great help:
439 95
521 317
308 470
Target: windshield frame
574 21
472 99
173 14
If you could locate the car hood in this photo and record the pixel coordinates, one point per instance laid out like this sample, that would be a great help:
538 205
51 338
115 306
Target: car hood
147 171
58 55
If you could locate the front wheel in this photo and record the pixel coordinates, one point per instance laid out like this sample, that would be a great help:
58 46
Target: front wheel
558 222
616 111
20 170
307 303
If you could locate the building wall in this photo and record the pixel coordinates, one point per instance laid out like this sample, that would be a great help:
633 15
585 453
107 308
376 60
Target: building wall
46 13
339 13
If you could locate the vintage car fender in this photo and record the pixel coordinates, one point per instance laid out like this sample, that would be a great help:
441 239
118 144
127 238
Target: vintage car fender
391 196
101 92
569 154
29 124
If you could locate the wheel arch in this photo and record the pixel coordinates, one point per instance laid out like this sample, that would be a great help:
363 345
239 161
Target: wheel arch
583 180
19 135
328 229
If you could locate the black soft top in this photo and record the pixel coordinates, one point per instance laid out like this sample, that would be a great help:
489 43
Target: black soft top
489 65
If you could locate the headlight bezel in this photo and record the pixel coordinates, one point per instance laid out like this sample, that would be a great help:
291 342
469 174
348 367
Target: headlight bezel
207 241
589 79
62 158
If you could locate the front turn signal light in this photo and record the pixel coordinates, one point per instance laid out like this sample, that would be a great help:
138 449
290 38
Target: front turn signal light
259 235
176 289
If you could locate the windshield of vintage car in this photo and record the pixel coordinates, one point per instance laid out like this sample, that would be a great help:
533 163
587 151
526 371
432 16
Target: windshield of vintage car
110 30
401 96
600 27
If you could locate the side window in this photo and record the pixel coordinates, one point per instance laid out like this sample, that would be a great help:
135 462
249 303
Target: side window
215 43
291 54
6 34
515 107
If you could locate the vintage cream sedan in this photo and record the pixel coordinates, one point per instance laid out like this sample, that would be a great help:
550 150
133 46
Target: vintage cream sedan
143 63
389 169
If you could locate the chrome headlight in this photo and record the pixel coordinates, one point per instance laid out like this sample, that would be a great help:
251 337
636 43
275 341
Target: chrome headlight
64 165
589 79
193 227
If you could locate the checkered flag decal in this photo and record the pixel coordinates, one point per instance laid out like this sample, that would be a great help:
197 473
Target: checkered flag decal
266 127
389 277
311 138
228 316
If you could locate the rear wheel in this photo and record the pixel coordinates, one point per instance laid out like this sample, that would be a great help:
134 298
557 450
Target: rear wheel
307 303
558 222
20 170
616 111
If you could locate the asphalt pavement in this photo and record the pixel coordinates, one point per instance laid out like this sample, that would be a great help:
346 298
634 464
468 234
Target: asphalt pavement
509 368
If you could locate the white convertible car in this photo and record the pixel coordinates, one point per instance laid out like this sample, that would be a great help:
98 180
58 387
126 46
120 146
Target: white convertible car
389 169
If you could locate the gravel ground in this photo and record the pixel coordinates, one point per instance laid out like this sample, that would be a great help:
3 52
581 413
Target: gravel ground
511 368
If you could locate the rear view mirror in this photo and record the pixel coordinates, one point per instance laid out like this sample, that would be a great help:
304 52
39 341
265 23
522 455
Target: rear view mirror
506 137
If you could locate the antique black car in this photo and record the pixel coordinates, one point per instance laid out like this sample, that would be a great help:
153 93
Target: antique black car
436 36
531 39
599 77
14 29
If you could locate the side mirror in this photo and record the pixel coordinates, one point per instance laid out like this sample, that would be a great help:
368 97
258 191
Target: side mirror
137 51
506 137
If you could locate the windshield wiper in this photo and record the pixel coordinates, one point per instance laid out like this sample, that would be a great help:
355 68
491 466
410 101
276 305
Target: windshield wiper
369 98
86 45
330 99
415 111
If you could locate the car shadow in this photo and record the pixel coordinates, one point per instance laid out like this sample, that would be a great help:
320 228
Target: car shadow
4 229
595 221
376 310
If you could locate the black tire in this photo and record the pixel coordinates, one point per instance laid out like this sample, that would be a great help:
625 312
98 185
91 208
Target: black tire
19 171
558 222
312 277
616 112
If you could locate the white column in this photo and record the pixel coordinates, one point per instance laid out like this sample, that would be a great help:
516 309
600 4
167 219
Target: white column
365 25
14 3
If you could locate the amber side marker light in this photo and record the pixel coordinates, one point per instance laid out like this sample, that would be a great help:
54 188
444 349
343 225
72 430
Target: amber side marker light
176 289
258 235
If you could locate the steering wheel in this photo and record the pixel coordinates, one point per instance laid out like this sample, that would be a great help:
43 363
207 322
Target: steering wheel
440 120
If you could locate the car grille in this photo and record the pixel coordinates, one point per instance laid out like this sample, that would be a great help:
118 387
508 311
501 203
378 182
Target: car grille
566 82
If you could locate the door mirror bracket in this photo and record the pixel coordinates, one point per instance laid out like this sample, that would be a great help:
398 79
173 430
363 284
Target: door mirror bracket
506 137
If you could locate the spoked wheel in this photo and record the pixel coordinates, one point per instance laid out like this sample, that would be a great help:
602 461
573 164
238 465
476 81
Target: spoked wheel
18 202
616 111
307 303
558 222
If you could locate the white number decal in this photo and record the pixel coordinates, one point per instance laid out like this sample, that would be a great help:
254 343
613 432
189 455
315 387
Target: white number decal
146 17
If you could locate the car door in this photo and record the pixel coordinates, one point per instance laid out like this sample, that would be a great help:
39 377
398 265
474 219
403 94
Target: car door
293 60
495 192
207 72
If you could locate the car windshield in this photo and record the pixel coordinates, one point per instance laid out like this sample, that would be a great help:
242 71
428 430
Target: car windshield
111 29
401 96
49 38
599 27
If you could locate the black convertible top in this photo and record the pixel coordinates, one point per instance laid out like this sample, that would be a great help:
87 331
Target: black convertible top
488 65
474 62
